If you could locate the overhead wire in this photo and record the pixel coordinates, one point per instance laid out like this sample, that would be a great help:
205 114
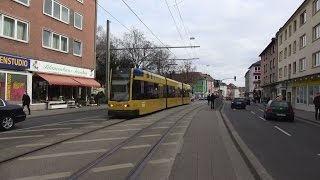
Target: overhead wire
146 25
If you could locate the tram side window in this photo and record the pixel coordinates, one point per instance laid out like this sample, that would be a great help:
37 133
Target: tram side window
136 90
171 92
161 91
151 90
144 90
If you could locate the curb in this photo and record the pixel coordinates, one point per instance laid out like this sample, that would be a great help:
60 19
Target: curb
256 168
64 112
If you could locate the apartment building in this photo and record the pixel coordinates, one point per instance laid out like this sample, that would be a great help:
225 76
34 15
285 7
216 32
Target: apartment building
47 49
269 65
299 56
253 80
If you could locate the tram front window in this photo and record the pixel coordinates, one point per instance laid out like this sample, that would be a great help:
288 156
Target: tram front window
120 85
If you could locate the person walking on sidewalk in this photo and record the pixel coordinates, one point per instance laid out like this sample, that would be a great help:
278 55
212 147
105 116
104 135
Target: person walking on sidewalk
212 97
209 99
316 102
26 101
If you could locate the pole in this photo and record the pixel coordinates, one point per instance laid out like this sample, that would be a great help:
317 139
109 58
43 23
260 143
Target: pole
107 63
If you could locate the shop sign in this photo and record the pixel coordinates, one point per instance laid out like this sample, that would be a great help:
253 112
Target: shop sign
52 68
14 62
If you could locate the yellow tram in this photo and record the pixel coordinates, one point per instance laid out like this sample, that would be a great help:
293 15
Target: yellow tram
136 92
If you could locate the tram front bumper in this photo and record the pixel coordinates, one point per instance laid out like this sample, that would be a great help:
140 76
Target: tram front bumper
123 113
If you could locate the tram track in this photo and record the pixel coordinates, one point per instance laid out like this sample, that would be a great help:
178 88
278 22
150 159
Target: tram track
137 169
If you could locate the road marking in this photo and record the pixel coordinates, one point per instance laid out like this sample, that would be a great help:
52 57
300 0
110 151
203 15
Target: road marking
166 122
121 130
151 135
62 154
75 123
94 140
32 145
21 137
48 176
95 126
173 134
80 120
181 126
35 130
67 134
134 124
160 161
261 110
282 131
169 143
113 167
262 118
253 112
136 146
164 127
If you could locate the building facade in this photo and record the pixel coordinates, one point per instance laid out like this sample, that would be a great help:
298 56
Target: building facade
299 56
269 65
253 80
47 49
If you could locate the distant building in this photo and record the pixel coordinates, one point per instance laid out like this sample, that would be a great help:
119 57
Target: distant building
253 80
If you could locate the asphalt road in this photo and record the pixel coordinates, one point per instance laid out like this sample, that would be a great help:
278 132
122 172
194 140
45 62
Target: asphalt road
288 151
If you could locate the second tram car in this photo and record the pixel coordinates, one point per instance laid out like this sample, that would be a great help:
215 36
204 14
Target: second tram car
136 92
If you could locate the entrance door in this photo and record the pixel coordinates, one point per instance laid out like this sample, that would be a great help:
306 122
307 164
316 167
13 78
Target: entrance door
289 97
283 94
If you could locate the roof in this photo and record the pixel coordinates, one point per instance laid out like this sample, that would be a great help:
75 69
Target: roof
258 63
273 41
190 77
207 77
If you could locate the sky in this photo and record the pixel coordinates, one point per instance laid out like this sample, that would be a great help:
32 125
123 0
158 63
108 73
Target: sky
231 33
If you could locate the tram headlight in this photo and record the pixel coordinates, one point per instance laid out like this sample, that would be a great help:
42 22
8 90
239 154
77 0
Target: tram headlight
111 105
126 105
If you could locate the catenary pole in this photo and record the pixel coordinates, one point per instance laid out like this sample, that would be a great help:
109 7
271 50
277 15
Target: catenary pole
107 85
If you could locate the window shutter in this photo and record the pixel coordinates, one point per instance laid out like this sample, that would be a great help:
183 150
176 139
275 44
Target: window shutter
71 17
71 45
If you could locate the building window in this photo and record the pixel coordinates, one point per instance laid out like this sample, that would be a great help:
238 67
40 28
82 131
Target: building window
285 53
303 41
257 69
316 59
302 64
289 53
294 68
257 77
23 2
55 10
77 48
285 71
316 32
78 20
294 46
280 55
280 73
303 18
13 28
316 6
313 90
55 41
289 71
81 1
302 95
280 39
273 63
294 25
290 30
285 34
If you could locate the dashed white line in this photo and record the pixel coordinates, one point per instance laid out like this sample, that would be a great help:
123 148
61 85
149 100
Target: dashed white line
67 134
180 126
121 130
94 140
20 137
36 130
169 143
48 176
62 154
150 135
283 131
161 127
261 110
136 146
32 145
253 112
134 124
113 167
173 134
160 161
262 118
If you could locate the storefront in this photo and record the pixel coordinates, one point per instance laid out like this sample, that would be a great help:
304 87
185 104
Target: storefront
60 86
14 79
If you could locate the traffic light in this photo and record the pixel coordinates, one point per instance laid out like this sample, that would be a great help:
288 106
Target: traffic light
235 78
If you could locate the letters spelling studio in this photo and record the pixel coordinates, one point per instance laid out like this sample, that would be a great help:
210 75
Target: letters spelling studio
13 61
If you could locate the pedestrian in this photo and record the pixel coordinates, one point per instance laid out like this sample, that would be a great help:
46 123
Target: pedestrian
212 98
316 102
26 101
208 98
97 99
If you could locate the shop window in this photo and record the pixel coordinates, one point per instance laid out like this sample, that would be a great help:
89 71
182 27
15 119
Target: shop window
16 86
2 85
39 90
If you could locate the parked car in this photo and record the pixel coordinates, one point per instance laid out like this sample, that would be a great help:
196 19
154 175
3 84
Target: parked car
279 110
10 114
238 103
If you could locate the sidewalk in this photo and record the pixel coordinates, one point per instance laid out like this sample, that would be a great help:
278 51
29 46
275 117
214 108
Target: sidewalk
208 151
41 113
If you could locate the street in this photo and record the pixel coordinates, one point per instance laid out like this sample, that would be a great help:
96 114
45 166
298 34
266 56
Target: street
287 150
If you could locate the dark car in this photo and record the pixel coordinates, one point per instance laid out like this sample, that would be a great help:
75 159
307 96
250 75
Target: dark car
238 103
10 114
279 110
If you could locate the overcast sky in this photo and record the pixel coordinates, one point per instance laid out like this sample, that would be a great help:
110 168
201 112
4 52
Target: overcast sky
231 33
